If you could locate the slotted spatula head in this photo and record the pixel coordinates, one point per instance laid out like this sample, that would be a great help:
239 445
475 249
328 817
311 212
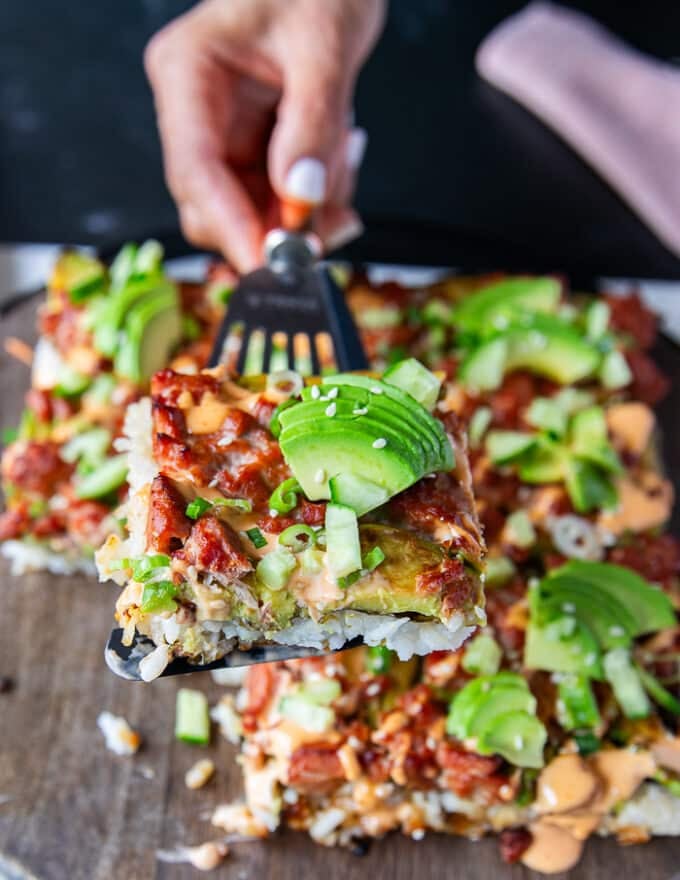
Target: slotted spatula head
291 301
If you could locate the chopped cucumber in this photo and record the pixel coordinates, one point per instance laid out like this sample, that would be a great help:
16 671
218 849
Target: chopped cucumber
498 571
90 446
520 530
343 548
275 569
158 596
192 718
110 474
78 274
597 319
614 371
479 423
546 414
321 690
505 446
415 379
70 382
306 714
482 656
357 492
626 684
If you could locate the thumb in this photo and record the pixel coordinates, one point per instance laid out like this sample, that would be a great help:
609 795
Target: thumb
306 146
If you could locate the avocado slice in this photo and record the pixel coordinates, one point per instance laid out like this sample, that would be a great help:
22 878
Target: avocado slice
626 684
576 704
602 613
423 418
578 652
650 607
391 587
545 345
312 412
112 318
470 698
312 447
110 474
517 736
545 463
355 492
383 407
590 441
494 306
498 701
152 330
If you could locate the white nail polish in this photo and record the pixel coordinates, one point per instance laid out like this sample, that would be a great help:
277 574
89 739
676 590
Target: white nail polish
344 234
355 147
306 180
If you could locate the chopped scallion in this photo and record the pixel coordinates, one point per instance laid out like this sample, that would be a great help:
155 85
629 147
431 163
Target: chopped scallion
284 497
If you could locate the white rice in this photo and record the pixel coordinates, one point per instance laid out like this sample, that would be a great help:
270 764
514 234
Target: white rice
653 808
26 556
136 441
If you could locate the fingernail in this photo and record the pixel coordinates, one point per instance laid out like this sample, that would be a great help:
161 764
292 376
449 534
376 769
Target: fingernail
344 233
306 180
355 147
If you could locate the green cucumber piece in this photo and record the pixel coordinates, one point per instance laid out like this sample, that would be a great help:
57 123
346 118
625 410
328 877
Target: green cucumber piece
110 474
588 487
70 382
478 425
506 446
306 713
546 414
356 492
626 684
415 379
322 691
343 547
597 317
614 371
590 441
498 570
192 717
519 529
274 569
484 367
90 446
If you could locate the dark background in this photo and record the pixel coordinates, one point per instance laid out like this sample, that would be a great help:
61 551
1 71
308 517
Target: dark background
455 172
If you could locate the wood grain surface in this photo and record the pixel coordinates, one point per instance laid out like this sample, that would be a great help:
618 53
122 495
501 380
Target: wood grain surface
71 810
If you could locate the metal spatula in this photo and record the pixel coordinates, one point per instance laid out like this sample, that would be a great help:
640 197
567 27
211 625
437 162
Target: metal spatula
291 298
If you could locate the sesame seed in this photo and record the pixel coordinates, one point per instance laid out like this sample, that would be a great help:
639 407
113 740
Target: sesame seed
418 833
315 392
333 393
320 476
273 512
376 390
354 741
331 409
380 443
590 659
616 632
518 742
568 607
486 686
372 690
360 411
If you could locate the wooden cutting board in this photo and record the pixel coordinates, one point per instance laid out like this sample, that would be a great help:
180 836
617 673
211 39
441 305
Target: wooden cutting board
75 811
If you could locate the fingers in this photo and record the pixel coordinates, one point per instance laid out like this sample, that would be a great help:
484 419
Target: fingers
193 96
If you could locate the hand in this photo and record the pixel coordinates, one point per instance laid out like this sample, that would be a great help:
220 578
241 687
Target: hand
253 99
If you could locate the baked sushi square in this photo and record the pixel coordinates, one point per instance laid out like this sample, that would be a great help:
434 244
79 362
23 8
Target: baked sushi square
309 513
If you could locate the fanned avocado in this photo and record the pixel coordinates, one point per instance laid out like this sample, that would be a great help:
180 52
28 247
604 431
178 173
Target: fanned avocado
498 701
112 318
495 305
545 345
421 415
308 447
395 428
651 608
576 650
152 330
518 736
604 615
468 700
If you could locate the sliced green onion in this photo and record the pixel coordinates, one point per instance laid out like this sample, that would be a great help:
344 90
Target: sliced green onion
197 507
587 742
144 566
312 560
372 559
284 497
657 691
158 596
298 537
482 656
256 537
520 530
378 659
275 568
244 504
9 435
